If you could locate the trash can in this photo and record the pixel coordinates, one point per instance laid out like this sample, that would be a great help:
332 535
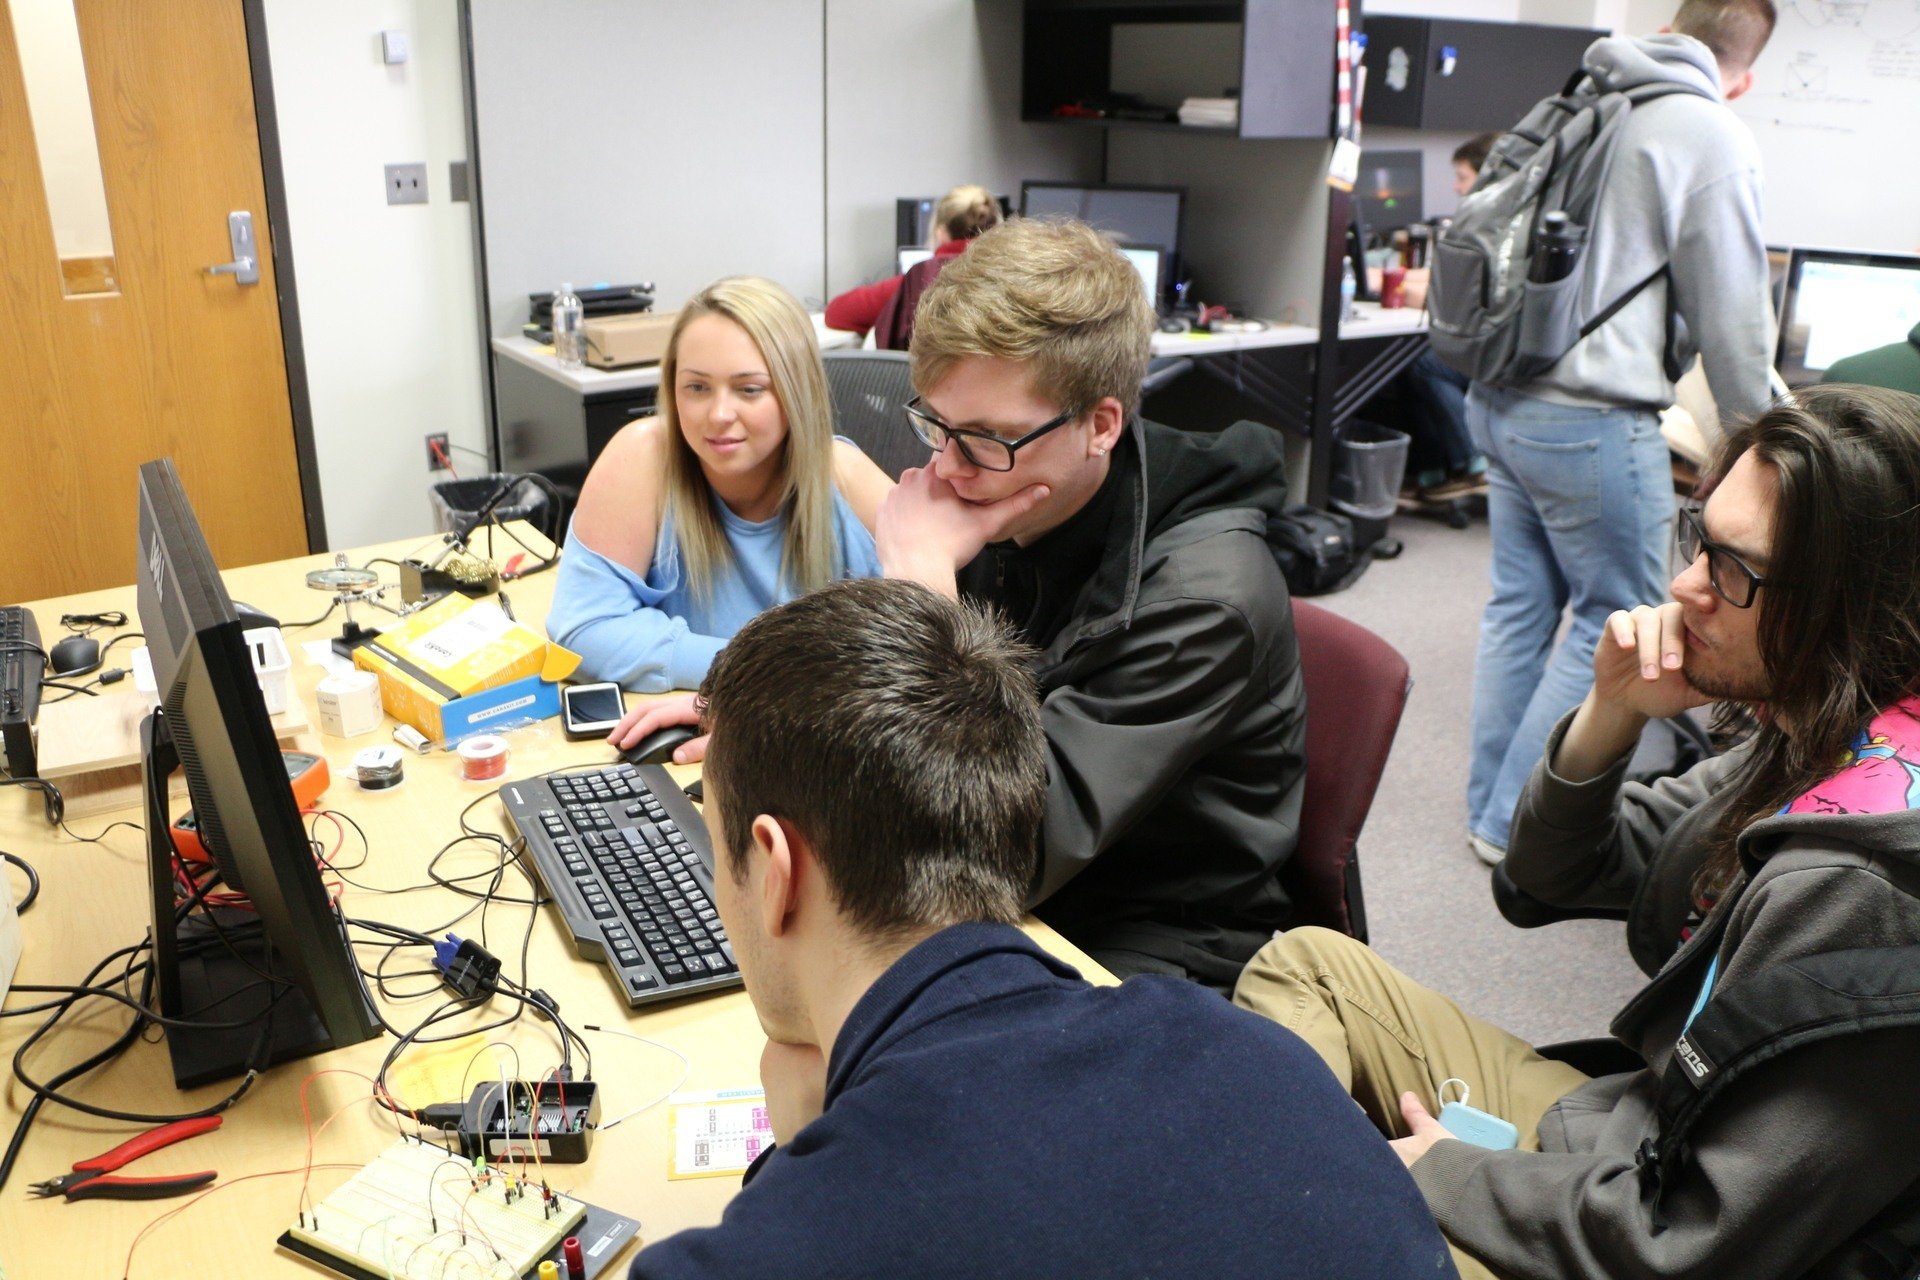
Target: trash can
457 500
1369 461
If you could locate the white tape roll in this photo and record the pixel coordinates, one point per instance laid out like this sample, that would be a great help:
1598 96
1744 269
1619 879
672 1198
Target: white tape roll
349 704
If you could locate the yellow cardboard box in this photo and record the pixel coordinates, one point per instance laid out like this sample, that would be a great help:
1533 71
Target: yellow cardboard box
461 666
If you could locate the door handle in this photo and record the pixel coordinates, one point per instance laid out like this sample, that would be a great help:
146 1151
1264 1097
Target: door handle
245 267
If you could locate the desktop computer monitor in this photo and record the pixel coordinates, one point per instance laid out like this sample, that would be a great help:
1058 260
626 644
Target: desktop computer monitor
1389 194
1148 262
909 256
281 969
1839 303
1148 217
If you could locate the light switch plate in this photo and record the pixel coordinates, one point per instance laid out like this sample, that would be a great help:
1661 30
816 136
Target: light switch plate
406 184
393 47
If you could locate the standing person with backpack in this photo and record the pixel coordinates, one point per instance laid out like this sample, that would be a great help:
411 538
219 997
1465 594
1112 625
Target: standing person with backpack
1612 235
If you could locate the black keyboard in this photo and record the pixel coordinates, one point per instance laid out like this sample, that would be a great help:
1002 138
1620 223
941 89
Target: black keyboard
21 663
625 858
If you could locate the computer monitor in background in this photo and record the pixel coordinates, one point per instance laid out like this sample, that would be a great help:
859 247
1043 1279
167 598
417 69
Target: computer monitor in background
1149 263
1145 216
909 256
1840 303
280 968
1389 194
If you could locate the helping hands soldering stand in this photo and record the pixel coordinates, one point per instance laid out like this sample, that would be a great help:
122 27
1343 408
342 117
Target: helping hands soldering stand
473 575
350 586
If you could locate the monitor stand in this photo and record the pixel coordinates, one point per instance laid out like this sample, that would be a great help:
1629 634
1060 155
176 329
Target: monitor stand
198 974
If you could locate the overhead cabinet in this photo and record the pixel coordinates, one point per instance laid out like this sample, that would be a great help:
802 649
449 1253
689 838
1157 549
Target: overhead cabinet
1131 63
1449 73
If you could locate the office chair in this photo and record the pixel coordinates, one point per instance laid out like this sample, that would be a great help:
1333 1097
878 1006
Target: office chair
1356 685
868 388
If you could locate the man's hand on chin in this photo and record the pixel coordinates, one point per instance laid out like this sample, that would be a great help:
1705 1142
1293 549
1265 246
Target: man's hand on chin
795 1078
926 531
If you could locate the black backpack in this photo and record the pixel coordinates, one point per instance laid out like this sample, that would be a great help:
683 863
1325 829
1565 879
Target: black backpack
1315 550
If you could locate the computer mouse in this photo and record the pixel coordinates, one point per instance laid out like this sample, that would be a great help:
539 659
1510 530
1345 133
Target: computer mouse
75 656
657 747
1172 324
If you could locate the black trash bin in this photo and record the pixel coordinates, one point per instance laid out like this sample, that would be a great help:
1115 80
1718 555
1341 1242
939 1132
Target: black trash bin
455 501
1369 462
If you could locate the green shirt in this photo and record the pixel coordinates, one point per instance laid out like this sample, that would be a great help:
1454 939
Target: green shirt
1896 365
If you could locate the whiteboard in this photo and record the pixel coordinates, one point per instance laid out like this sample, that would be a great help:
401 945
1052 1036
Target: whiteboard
1834 103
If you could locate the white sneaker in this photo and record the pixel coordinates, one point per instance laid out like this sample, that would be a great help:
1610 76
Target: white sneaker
1486 850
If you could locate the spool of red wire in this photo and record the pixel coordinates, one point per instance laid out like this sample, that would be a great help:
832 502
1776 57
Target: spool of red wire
483 757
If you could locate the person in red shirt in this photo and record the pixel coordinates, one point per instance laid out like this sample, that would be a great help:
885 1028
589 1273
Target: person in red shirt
887 306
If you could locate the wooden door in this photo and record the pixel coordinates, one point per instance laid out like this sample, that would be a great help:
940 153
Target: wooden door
175 362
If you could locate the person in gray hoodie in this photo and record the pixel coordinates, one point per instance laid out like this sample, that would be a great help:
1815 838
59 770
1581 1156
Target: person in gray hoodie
1581 500
1796 852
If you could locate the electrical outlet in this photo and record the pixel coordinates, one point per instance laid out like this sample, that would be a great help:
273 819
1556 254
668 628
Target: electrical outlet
437 461
406 184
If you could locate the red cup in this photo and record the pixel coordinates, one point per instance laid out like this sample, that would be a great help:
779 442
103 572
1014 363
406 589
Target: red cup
1393 287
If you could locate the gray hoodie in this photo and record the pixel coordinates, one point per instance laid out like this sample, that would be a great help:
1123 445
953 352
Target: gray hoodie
1791 1163
1684 189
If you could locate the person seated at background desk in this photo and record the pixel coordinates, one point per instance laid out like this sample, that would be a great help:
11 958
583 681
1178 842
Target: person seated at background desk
948 1100
887 307
1796 856
1896 365
1134 558
736 497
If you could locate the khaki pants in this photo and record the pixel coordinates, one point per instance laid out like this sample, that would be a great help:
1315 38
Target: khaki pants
1384 1034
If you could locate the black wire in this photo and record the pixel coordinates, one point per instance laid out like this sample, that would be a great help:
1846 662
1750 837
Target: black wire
71 688
311 622
33 882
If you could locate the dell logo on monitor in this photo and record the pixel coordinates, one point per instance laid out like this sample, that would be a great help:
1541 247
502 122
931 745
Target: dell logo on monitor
156 562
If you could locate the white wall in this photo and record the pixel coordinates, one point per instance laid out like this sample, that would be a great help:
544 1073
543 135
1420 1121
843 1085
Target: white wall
624 142
920 97
388 313
56 81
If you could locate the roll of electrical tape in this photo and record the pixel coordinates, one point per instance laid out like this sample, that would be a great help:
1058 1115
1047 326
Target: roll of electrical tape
483 757
378 768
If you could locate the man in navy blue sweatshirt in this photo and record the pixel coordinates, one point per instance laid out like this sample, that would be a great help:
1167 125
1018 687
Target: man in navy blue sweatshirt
949 1100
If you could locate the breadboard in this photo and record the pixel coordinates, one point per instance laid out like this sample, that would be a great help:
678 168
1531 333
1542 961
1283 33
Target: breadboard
414 1213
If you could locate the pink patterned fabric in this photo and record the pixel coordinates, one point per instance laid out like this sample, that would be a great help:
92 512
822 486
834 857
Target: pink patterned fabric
1881 774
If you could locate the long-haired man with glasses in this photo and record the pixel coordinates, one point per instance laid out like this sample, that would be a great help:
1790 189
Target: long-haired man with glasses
1134 558
1774 898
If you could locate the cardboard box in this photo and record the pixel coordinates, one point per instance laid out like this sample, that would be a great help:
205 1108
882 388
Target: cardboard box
614 342
461 666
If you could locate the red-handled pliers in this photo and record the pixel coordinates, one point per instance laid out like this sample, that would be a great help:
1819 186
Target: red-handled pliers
89 1180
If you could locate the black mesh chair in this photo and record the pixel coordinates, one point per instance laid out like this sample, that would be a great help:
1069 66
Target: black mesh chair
868 388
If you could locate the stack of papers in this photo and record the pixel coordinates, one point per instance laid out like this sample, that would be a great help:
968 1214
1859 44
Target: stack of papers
1211 111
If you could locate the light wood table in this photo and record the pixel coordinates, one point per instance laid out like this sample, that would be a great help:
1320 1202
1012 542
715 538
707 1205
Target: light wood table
92 900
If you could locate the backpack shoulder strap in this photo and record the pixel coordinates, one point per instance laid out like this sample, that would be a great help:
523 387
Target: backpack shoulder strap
1745 1024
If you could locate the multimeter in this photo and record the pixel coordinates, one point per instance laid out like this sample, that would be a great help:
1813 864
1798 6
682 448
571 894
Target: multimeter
309 778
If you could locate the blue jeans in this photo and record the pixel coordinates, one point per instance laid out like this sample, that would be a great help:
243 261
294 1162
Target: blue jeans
1581 507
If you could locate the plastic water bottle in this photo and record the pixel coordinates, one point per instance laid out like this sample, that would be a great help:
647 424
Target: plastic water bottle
569 342
1348 287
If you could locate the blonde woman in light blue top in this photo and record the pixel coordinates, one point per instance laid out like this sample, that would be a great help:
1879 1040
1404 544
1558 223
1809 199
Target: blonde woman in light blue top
735 498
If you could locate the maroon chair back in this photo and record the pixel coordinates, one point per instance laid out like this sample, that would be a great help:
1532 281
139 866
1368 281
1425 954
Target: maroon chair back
1356 687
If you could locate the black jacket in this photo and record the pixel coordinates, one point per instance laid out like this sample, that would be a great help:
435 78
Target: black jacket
1175 715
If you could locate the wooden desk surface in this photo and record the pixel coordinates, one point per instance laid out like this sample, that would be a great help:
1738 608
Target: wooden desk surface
92 900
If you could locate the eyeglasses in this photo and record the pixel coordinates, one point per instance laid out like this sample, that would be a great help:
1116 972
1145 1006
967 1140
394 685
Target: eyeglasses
1735 582
984 450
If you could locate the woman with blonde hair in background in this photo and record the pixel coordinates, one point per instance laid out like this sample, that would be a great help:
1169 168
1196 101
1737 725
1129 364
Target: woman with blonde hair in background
887 307
734 498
